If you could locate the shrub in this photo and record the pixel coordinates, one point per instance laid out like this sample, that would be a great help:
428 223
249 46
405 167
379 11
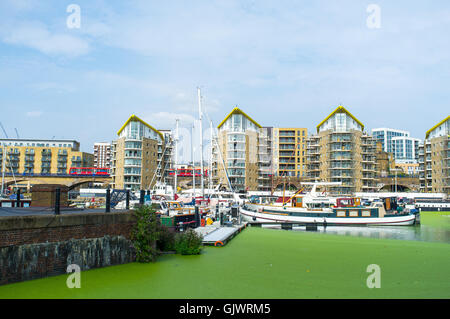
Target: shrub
166 240
188 243
145 234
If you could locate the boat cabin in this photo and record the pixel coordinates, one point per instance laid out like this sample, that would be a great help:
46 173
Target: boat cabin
348 202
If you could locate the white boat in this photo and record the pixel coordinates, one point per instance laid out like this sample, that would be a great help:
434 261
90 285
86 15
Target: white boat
312 208
163 190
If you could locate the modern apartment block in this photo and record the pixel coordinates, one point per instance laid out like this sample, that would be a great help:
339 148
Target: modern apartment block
289 151
42 157
385 135
244 149
102 155
398 142
434 159
342 152
138 155
265 159
405 149
165 157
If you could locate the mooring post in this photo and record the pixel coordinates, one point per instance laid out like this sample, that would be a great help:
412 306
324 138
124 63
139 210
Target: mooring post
217 211
221 219
127 201
141 197
108 201
197 217
18 198
57 200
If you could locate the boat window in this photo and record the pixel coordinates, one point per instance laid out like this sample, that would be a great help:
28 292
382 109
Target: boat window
340 213
353 213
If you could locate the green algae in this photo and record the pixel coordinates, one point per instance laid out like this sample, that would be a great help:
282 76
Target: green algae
269 263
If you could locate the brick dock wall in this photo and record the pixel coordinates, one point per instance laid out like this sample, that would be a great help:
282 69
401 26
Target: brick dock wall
33 247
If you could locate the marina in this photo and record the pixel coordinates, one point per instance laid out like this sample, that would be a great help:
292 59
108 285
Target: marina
229 150
271 263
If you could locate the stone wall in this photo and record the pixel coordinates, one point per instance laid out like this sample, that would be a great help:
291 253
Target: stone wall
38 246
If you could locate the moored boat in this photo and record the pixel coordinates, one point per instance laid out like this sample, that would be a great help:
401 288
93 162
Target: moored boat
310 208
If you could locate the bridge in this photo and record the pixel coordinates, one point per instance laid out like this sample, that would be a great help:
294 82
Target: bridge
388 183
404 183
291 182
71 181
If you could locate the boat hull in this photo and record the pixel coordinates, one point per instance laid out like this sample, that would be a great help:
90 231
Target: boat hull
278 218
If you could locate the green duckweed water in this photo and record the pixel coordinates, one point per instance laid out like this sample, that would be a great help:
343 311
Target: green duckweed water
268 263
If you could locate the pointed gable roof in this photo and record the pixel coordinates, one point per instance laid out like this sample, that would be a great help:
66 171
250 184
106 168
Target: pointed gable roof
237 110
340 109
135 118
436 126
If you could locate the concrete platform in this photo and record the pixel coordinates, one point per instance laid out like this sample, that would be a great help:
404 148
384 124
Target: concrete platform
216 235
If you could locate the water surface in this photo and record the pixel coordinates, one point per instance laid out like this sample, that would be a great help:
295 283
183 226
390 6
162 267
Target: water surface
434 227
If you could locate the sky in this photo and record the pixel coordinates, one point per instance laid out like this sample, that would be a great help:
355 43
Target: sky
285 63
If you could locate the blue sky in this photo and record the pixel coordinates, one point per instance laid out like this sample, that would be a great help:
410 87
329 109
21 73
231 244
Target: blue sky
285 63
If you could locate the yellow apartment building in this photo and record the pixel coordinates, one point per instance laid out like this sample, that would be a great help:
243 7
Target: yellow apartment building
289 151
42 157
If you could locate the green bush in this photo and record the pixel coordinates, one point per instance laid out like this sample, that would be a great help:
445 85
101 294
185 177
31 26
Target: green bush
166 240
188 243
145 234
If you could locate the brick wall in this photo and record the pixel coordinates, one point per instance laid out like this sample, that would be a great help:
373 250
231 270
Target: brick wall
20 230
38 246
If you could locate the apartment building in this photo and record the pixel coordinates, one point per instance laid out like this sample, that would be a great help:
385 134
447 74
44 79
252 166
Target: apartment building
434 159
398 142
265 159
35 157
405 149
138 155
385 136
342 152
102 155
243 148
289 151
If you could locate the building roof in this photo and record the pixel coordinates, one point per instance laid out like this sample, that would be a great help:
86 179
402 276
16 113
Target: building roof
436 126
35 140
237 110
340 109
135 118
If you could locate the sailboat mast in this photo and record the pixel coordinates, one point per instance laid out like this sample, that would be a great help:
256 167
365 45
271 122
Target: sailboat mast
3 168
210 156
192 158
176 158
201 140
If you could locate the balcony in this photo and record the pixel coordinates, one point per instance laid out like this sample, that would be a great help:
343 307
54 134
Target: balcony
287 140
287 133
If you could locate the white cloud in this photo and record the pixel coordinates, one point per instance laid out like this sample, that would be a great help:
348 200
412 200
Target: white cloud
53 86
33 113
167 120
37 36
